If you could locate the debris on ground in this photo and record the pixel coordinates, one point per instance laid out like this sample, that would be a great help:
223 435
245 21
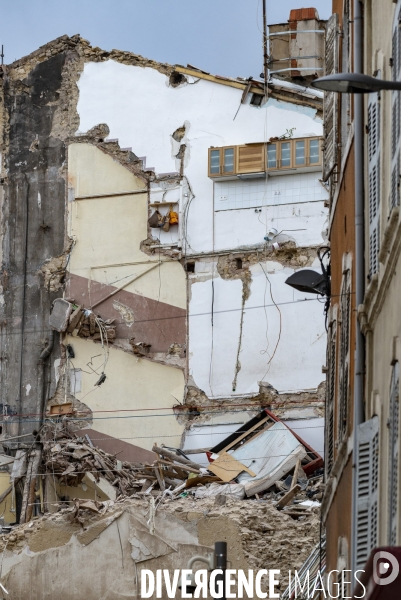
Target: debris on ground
263 460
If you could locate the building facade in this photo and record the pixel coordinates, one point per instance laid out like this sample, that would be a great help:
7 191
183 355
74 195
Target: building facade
172 330
372 448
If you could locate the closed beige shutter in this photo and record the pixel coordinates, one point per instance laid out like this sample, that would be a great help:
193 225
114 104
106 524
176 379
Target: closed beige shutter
374 181
367 496
330 103
251 158
396 114
393 483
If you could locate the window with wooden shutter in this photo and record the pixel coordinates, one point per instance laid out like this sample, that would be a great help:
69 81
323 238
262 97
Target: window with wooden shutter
374 181
251 158
394 428
330 396
396 114
330 103
367 490
345 316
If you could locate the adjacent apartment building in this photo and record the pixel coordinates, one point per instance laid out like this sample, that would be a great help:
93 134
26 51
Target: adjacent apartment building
371 449
150 217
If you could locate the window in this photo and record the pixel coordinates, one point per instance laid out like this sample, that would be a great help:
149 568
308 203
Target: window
294 154
367 486
190 267
75 381
394 425
256 99
396 114
374 181
221 161
345 316
272 156
258 158
330 102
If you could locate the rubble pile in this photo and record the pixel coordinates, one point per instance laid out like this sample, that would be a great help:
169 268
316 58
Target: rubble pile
263 460
76 320
256 534
85 323
70 457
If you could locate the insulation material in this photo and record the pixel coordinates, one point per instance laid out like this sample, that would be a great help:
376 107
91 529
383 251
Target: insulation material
232 490
266 452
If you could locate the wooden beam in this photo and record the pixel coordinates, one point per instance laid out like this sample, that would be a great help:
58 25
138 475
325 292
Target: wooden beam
288 497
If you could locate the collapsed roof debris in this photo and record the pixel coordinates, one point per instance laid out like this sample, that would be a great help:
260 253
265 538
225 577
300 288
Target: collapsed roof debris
284 469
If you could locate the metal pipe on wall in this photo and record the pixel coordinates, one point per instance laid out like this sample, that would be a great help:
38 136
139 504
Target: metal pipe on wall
359 267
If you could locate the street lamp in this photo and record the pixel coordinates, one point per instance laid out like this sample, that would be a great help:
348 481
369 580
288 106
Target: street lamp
354 83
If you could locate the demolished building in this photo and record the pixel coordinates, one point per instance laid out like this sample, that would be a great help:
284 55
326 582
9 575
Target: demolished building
147 304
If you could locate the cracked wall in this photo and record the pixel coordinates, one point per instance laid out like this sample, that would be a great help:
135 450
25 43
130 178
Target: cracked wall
33 227
258 335
104 254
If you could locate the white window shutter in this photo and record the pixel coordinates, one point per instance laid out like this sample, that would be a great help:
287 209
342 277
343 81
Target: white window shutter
396 114
374 181
330 103
367 492
394 426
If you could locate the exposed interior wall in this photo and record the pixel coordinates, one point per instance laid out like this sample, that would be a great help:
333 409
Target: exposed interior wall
145 296
233 356
124 405
109 94
253 342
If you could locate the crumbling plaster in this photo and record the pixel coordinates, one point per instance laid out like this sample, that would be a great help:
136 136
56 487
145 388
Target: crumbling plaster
120 406
222 363
175 122
276 348
108 94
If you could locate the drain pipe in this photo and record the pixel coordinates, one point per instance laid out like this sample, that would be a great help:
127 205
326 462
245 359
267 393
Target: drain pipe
28 496
359 269
44 355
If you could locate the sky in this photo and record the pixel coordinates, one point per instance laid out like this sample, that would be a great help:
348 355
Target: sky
219 36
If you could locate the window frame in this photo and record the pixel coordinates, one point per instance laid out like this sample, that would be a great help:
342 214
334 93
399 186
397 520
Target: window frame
293 144
221 150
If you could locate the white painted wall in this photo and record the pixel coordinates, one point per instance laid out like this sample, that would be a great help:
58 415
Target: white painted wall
143 111
300 338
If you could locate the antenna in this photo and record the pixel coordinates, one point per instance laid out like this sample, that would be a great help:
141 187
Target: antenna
265 55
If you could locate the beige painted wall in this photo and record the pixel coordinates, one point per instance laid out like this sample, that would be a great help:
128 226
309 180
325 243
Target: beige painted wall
108 231
9 517
133 384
